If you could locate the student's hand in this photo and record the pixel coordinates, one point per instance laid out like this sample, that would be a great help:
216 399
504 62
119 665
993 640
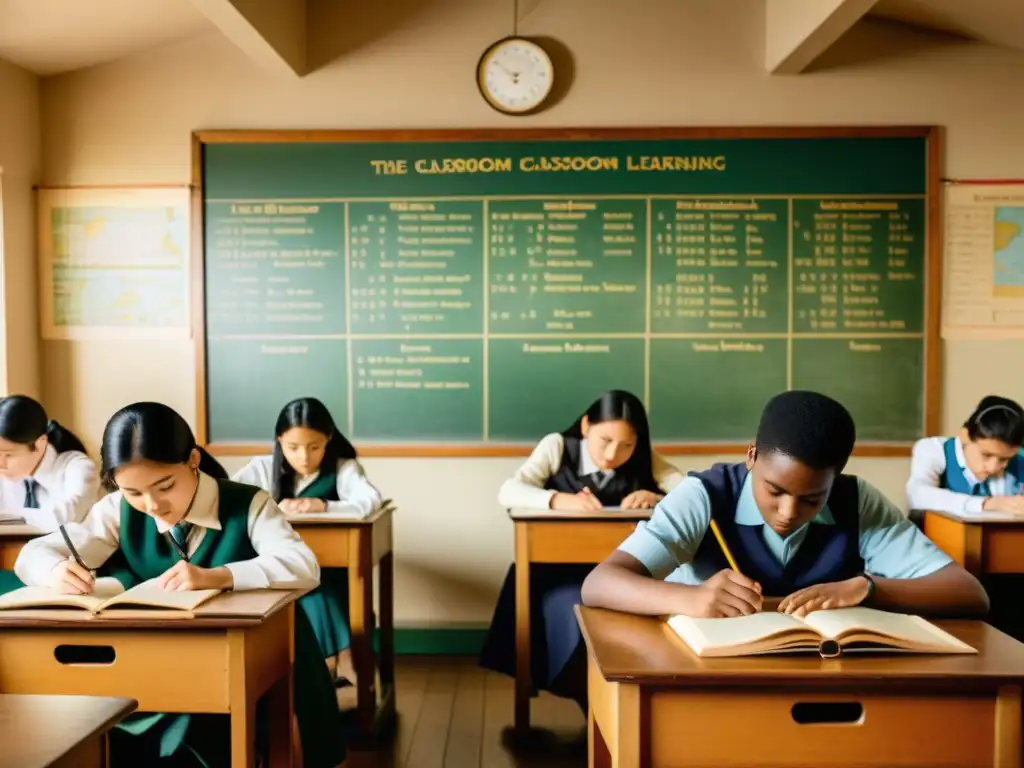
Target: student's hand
183 576
641 500
303 506
834 594
1011 504
69 578
725 594
584 501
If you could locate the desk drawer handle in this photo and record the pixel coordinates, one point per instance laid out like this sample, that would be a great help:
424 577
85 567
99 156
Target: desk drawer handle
828 713
85 654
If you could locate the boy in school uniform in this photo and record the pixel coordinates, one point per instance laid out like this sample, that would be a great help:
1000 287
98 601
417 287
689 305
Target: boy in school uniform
797 528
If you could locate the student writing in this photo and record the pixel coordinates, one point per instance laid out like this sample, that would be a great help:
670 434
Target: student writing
46 478
314 469
604 459
980 468
797 527
235 537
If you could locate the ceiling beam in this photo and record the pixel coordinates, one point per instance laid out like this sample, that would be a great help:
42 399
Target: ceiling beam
273 34
798 31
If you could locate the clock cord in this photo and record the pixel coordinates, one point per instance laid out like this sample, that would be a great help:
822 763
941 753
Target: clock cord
515 18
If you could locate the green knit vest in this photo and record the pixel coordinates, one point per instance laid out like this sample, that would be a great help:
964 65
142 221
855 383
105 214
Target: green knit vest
145 553
324 487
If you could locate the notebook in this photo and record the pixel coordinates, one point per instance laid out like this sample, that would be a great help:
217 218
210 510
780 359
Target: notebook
829 633
109 599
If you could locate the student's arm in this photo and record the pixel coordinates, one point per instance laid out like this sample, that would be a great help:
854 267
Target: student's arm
358 495
96 538
631 579
665 474
283 561
256 472
910 572
927 464
81 483
526 487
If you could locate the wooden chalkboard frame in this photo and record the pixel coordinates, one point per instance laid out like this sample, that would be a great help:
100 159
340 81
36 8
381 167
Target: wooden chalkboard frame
933 258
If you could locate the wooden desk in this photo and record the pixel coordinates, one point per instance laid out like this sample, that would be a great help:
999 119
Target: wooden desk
58 731
549 536
239 647
359 545
988 543
12 539
653 702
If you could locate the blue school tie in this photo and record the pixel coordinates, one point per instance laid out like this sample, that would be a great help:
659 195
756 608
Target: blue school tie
180 534
31 502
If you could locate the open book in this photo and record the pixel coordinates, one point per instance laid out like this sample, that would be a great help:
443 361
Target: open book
829 633
108 598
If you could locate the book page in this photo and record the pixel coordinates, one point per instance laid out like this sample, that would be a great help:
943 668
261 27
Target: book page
909 630
741 630
149 594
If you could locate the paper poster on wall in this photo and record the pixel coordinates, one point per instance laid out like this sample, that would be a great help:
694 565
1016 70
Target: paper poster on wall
984 257
114 263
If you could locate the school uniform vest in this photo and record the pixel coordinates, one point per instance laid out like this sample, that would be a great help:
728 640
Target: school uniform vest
953 478
145 553
567 479
324 487
827 553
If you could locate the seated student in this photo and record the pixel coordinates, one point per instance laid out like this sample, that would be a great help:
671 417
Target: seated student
797 528
236 538
981 468
314 469
604 459
46 478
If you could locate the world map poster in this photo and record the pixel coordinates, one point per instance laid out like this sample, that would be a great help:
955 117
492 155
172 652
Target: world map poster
114 263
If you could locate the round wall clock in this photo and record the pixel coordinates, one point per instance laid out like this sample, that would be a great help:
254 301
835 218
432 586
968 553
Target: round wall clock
515 76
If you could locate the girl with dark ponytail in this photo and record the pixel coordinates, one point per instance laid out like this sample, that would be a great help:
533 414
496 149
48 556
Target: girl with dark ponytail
45 476
175 519
313 469
979 469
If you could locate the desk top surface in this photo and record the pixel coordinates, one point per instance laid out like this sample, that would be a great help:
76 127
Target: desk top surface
230 610
19 531
1001 518
382 512
606 515
38 731
640 649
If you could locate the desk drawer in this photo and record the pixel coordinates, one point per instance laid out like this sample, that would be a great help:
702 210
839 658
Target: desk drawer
714 729
146 667
576 542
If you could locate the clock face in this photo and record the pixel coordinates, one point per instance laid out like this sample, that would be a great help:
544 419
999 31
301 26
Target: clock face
515 75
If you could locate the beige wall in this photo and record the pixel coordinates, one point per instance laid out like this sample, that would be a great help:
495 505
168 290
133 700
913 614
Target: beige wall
660 62
19 171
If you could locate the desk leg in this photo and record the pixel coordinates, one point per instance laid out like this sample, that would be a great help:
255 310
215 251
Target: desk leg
524 681
1008 728
387 627
360 600
280 708
241 705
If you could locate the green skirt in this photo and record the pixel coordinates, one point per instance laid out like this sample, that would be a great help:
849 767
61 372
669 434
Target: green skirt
203 741
326 607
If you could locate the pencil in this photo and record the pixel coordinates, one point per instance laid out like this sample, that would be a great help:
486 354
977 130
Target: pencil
725 548
71 547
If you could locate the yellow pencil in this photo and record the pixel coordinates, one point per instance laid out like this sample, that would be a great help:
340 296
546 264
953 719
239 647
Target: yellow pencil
725 548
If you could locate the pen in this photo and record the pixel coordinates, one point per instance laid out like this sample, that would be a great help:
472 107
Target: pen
74 552
725 549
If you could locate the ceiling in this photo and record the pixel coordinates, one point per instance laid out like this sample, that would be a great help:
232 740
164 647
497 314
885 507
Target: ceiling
49 37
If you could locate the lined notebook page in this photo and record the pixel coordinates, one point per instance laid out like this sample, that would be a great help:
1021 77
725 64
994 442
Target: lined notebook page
718 633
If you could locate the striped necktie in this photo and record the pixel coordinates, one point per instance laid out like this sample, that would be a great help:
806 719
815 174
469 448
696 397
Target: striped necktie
31 502
180 534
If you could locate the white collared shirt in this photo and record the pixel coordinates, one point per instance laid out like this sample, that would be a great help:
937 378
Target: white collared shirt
526 487
358 496
283 561
587 467
67 485
924 487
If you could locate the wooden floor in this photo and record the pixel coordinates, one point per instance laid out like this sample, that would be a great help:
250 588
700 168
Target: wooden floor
452 714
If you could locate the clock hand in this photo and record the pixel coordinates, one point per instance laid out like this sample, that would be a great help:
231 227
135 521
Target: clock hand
513 75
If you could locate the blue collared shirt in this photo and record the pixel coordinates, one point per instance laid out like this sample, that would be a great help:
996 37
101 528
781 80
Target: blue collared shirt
890 544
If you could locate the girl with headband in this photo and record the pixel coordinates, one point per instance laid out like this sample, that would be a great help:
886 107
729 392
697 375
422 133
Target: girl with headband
979 469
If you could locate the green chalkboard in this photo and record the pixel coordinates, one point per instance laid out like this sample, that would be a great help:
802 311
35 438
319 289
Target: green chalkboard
464 293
